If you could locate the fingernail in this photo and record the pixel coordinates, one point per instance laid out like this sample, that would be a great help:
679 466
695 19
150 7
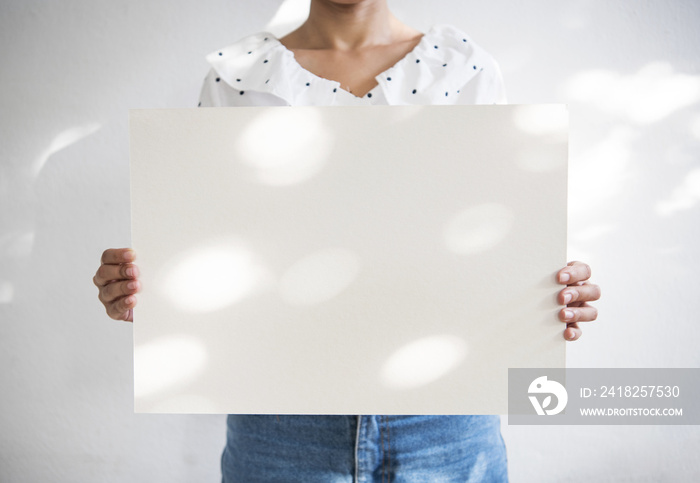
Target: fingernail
129 272
128 255
564 277
569 314
129 300
567 298
132 285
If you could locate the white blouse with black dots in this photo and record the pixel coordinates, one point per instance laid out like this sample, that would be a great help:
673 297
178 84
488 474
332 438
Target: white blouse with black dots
445 67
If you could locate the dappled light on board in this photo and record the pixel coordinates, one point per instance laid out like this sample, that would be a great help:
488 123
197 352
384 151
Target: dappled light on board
423 361
319 277
166 362
536 161
210 278
362 259
551 124
297 152
542 121
478 228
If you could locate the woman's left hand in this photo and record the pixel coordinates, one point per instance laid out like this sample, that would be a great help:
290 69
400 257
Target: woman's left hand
575 296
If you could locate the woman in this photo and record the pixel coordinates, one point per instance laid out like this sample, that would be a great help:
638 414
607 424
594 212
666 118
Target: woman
355 52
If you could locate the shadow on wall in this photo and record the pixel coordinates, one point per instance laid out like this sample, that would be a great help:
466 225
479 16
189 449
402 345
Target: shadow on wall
644 157
18 227
652 94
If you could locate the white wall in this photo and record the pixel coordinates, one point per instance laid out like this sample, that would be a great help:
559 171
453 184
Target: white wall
629 71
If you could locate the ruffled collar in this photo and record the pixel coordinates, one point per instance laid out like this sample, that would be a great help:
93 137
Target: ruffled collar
443 61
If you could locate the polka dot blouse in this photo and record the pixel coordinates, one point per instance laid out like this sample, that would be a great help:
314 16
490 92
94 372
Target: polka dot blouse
445 67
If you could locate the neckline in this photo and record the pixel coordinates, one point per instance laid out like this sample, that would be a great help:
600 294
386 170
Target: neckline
289 53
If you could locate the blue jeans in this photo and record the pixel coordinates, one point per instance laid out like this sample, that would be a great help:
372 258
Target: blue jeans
363 449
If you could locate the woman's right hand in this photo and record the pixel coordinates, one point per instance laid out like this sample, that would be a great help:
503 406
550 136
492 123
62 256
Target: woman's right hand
117 281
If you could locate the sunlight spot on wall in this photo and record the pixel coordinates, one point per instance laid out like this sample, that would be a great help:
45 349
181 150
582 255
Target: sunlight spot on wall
166 362
62 141
478 228
289 15
680 152
695 126
319 277
423 361
210 278
591 233
17 244
300 148
653 93
7 292
684 197
599 173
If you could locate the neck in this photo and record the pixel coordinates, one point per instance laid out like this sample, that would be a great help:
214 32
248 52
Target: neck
340 26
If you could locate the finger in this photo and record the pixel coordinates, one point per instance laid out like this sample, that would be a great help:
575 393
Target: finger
122 309
110 273
584 313
574 272
572 332
586 292
118 255
112 291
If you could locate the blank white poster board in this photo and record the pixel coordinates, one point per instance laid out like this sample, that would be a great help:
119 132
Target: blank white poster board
345 260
